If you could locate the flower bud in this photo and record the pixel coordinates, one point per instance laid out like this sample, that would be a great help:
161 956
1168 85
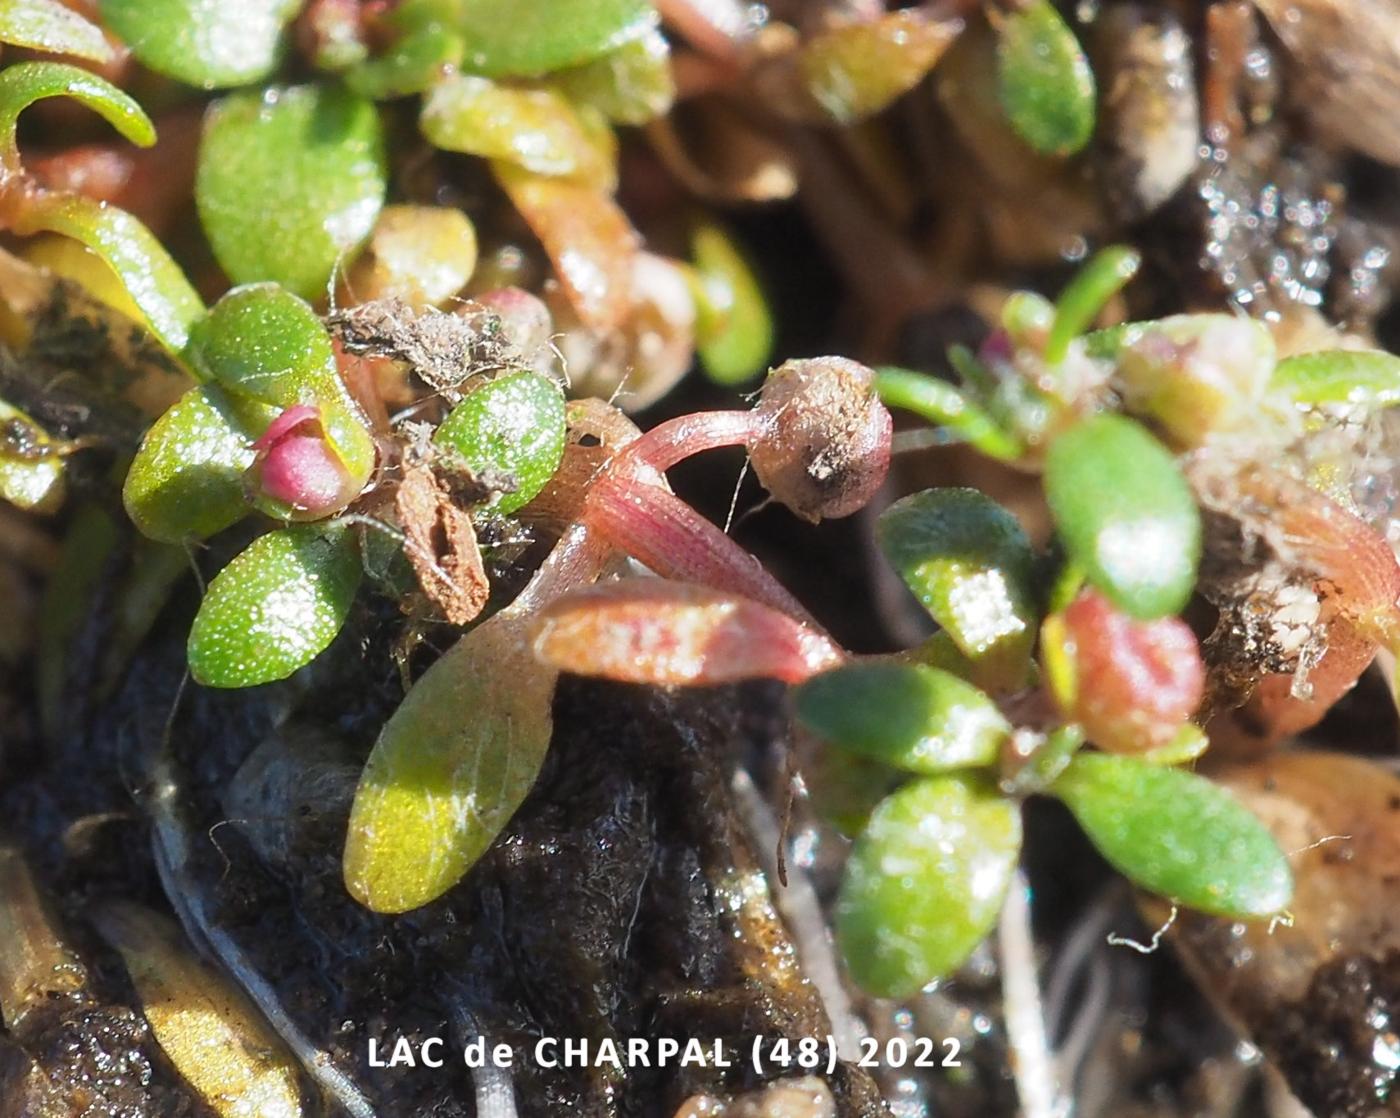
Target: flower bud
824 443
1197 375
1136 683
298 469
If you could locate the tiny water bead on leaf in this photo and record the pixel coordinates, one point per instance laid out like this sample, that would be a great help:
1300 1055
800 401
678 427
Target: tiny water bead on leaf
925 882
1136 683
514 426
532 37
204 44
1047 88
275 607
289 179
1176 834
1126 514
906 716
971 566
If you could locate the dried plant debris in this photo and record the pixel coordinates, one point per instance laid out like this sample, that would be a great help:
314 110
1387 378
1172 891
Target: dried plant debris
443 349
440 542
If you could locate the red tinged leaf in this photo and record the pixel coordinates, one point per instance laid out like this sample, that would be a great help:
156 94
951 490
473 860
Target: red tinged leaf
1138 682
666 633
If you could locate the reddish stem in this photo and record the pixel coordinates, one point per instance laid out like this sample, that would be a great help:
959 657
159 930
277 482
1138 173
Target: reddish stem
661 531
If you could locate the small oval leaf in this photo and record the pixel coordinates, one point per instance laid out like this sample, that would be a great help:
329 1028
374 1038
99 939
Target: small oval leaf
525 37
1126 514
262 342
289 180
211 46
1177 834
651 630
30 479
538 129
513 425
971 566
948 407
275 607
1365 378
858 70
589 240
734 330
194 1010
1047 88
630 85
186 481
49 26
450 768
908 716
925 882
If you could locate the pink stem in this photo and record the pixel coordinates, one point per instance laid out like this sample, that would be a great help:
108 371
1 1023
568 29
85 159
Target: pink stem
677 439
660 530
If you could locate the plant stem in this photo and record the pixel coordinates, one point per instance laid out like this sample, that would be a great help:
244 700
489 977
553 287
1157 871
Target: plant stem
1031 1063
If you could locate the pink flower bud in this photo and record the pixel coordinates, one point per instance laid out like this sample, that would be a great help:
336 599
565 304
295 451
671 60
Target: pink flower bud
297 467
1138 682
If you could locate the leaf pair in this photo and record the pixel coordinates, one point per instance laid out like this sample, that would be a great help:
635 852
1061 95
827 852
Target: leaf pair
155 283
927 878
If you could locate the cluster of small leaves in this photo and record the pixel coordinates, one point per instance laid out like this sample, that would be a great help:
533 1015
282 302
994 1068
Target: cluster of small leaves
925 771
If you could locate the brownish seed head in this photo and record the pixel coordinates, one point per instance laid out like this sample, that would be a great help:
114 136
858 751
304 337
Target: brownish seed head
824 445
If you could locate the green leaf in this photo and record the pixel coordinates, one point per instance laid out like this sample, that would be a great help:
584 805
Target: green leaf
187 479
289 181
513 425
629 85
971 566
523 37
262 341
1047 88
537 129
49 26
157 286
847 789
856 70
940 403
1365 378
28 82
1126 514
925 882
450 768
28 480
1177 834
734 329
906 716
1086 295
203 42
275 607
415 62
